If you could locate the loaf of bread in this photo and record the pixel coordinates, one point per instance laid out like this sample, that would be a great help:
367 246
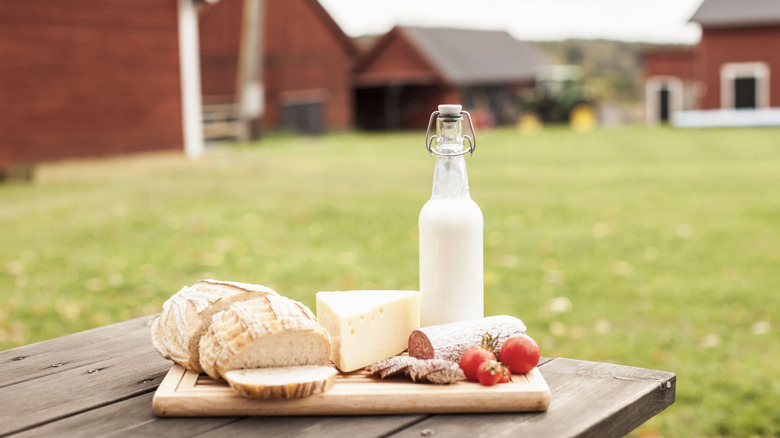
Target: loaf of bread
268 331
187 315
282 382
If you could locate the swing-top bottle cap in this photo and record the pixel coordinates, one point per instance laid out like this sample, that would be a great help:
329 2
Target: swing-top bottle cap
450 110
450 114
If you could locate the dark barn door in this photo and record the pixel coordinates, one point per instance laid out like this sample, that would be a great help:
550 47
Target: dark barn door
392 107
663 105
745 92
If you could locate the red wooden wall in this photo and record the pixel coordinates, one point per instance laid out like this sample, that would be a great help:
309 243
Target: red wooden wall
395 59
720 46
669 62
220 36
306 56
88 77
306 52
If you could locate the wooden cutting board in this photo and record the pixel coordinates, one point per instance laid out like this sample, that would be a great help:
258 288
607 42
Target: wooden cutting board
183 393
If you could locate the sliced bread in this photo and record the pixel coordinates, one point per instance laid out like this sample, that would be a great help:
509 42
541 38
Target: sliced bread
187 314
269 331
281 382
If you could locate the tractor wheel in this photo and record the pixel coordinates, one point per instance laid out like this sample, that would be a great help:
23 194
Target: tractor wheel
582 117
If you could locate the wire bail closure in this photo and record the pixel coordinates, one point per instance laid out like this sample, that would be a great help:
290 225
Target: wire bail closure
429 139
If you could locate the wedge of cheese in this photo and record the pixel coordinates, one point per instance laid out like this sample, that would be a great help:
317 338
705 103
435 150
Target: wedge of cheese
366 326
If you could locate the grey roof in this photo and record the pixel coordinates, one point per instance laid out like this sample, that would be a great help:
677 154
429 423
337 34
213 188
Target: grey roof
737 13
469 57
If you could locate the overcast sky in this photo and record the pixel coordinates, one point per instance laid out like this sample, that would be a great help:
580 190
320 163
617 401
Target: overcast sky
662 21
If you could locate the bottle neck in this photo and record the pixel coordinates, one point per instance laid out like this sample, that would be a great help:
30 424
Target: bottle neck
449 133
450 179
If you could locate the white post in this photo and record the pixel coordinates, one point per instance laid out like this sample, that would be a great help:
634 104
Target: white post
189 66
249 90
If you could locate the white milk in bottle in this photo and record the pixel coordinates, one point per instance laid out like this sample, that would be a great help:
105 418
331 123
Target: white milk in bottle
450 224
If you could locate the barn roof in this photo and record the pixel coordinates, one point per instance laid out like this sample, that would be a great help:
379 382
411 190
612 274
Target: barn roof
466 57
737 13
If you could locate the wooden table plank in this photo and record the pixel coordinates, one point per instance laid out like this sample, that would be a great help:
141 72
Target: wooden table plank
638 392
316 427
134 417
589 399
124 418
119 364
67 352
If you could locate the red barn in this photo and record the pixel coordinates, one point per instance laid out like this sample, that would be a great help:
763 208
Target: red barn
410 70
96 77
731 77
306 64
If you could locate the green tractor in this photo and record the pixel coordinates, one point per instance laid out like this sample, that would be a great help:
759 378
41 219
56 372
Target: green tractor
559 96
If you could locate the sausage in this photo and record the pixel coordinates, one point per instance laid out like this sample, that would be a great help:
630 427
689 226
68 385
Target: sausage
392 367
438 371
442 372
449 341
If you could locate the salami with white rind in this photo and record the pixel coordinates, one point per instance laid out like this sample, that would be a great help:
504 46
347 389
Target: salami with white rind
449 341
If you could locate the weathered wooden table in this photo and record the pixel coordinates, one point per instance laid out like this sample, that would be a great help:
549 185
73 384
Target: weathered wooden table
100 383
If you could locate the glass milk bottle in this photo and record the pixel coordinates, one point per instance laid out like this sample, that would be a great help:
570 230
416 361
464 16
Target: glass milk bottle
450 224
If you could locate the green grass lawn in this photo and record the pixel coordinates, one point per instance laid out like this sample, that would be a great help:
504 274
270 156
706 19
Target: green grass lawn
655 248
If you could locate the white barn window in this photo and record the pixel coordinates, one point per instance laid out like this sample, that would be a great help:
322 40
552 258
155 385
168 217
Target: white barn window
744 85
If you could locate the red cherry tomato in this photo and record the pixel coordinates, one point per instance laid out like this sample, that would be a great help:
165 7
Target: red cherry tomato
490 372
520 353
472 359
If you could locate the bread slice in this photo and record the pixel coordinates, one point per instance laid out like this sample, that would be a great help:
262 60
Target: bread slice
282 382
187 314
269 331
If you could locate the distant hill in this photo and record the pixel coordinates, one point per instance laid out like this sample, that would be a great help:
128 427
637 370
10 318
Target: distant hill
613 72
612 68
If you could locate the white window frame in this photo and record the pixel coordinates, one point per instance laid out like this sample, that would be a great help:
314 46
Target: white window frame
653 86
733 70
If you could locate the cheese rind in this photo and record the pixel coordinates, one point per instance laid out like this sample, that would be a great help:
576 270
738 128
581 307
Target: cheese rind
366 326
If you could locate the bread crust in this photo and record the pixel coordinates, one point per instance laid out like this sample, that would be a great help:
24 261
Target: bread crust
176 332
